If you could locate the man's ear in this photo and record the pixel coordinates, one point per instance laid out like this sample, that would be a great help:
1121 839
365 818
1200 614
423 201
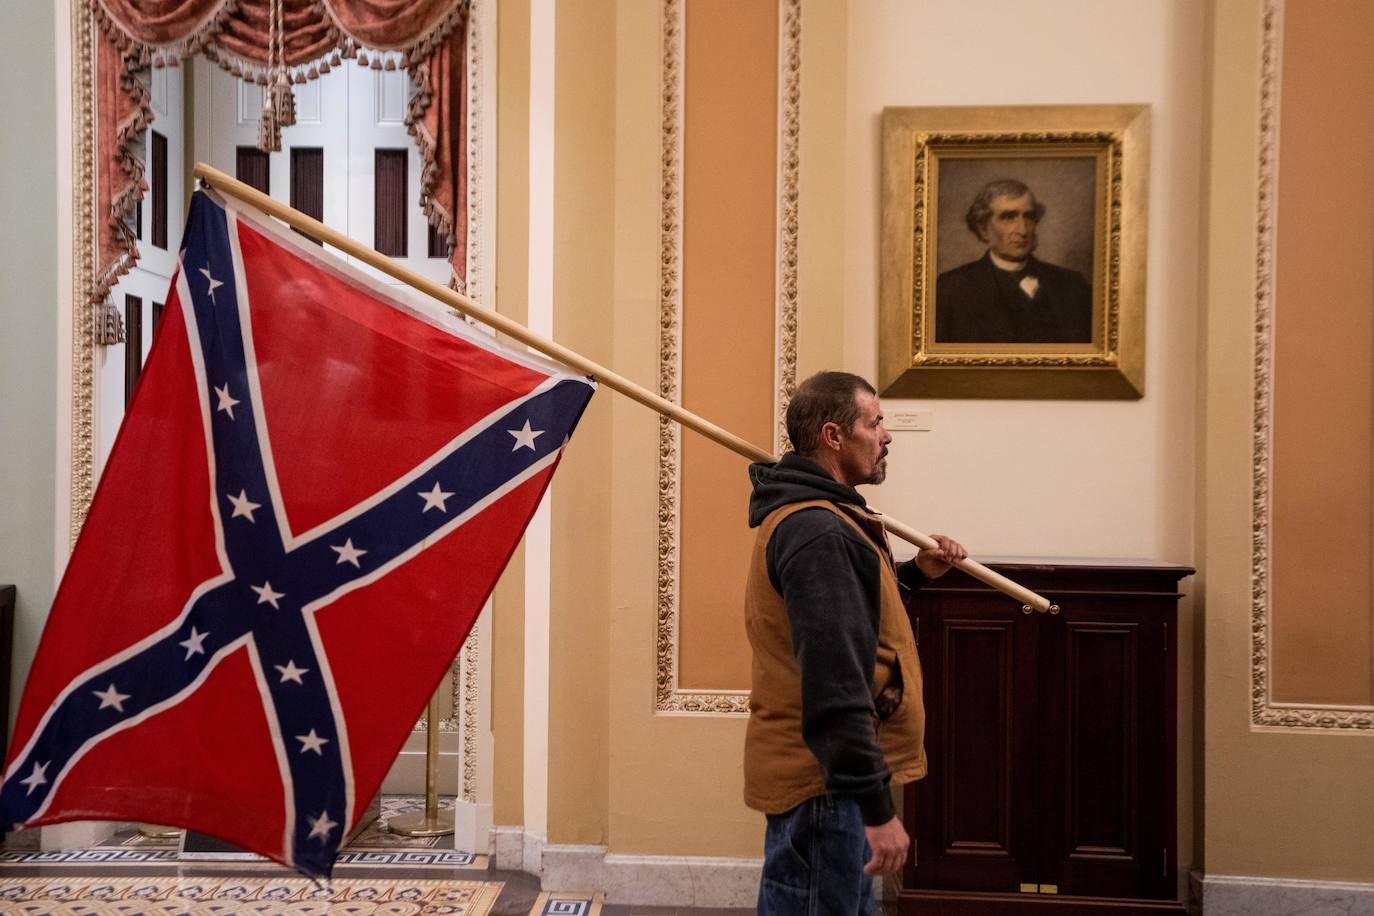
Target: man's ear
830 434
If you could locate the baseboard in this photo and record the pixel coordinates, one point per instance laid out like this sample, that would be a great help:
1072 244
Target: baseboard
75 834
532 852
699 881
1242 895
507 848
565 867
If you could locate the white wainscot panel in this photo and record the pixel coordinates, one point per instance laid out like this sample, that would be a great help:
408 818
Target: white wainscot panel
250 102
392 92
309 108
157 85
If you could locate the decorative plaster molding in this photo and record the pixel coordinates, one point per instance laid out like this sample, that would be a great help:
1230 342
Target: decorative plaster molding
668 696
472 285
789 162
468 661
82 478
1263 710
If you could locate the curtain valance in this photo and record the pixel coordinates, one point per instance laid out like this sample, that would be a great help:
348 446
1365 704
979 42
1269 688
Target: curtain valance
277 43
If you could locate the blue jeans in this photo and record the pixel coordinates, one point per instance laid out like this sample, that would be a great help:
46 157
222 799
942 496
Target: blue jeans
813 861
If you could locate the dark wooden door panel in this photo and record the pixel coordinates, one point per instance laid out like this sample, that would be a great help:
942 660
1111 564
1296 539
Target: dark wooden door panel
973 828
1103 787
1090 691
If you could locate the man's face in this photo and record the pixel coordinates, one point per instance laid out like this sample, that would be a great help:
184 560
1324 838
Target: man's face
1010 232
863 449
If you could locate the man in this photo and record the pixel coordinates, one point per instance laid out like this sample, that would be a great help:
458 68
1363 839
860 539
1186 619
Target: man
836 712
1007 295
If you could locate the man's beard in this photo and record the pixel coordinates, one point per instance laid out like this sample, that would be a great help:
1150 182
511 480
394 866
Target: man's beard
879 472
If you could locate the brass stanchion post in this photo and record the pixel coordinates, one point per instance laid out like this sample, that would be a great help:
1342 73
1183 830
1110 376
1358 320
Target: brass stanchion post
431 821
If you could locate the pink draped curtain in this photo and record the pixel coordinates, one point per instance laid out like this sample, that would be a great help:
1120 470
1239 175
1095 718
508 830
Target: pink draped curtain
428 35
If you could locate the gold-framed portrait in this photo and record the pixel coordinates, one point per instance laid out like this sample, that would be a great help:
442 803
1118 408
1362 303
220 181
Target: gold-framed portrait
1013 252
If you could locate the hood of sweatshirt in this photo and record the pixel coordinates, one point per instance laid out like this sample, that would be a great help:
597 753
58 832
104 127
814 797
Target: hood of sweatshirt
793 479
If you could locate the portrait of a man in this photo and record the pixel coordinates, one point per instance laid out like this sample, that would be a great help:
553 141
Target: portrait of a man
1013 251
1009 295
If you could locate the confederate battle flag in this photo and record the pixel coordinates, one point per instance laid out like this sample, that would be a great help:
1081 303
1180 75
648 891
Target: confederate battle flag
316 485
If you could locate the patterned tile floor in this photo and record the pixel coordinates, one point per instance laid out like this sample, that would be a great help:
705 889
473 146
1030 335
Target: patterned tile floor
561 904
373 871
379 873
374 846
220 896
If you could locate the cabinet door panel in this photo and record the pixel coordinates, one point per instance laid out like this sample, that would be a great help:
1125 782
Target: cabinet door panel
973 827
1101 789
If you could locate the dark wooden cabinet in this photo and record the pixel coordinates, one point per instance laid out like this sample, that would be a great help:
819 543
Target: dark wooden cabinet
1051 739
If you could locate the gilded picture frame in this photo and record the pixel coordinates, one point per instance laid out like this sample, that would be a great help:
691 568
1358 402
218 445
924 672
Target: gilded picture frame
1013 246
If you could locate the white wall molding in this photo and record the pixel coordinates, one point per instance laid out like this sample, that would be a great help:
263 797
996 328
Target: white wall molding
539 319
472 830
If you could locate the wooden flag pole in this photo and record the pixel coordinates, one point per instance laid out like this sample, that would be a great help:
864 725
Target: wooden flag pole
298 220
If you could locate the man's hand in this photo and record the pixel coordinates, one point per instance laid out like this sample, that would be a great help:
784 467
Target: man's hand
935 563
890 844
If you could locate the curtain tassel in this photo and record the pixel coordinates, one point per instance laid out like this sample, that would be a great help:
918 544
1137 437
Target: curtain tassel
283 101
269 130
278 102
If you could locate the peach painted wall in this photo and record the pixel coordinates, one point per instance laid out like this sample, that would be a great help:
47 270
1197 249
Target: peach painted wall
1323 441
729 269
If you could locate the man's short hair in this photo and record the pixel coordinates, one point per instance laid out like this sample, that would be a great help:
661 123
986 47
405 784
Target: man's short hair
826 397
980 211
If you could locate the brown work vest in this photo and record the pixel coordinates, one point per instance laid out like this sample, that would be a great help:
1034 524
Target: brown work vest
780 771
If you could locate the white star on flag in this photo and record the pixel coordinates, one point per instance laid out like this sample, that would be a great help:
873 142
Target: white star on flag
524 438
266 595
312 742
213 282
289 672
36 778
434 499
348 553
111 697
194 645
226 403
243 506
320 826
